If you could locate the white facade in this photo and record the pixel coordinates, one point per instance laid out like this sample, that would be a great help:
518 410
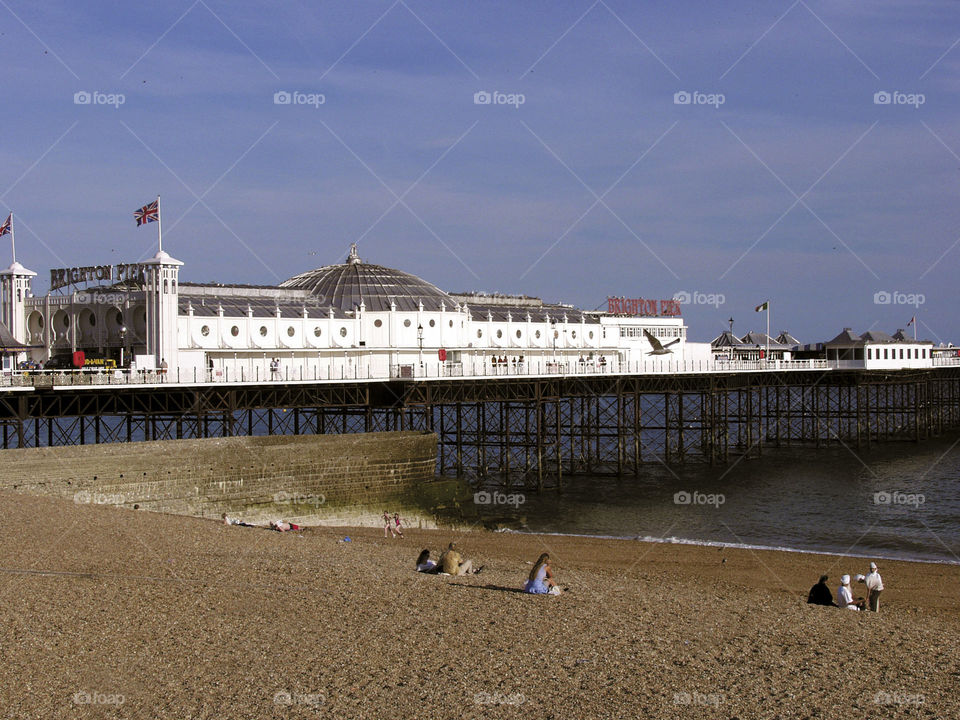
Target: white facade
244 333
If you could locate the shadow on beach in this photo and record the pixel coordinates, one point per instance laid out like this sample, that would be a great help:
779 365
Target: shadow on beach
501 588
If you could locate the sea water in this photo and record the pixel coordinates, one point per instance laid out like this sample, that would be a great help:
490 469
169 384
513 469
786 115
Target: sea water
897 500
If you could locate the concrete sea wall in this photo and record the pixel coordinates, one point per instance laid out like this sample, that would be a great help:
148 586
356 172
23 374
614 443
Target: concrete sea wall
317 479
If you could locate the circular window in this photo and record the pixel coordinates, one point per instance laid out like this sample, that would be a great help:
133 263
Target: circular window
451 323
234 331
591 334
519 334
432 323
537 334
378 323
499 333
316 332
291 332
573 334
343 332
205 330
479 333
263 331
406 323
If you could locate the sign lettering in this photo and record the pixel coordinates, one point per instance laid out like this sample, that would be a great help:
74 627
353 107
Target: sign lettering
123 272
643 307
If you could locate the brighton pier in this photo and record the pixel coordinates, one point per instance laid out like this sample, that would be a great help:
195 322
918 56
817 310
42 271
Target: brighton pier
516 389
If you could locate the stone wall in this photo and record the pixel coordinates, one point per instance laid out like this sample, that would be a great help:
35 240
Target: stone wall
314 478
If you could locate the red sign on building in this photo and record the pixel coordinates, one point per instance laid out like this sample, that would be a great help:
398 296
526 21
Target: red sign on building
643 307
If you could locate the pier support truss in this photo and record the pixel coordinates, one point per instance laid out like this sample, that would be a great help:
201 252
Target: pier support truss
532 432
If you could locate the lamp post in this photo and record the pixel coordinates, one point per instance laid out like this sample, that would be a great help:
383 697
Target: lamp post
123 342
420 341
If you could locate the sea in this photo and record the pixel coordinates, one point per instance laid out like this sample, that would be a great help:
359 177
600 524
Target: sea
893 501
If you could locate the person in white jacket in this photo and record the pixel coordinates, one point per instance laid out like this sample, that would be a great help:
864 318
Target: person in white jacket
845 597
874 585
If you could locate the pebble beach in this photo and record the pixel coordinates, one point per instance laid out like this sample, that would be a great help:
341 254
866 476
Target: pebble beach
117 613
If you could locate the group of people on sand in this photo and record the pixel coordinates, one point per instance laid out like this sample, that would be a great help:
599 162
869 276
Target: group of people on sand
392 525
820 594
540 581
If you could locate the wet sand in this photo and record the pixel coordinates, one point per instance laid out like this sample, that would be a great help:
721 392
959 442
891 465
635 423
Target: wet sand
114 613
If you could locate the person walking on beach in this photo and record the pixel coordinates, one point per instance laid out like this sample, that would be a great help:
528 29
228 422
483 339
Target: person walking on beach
874 587
845 597
540 581
396 520
452 563
820 594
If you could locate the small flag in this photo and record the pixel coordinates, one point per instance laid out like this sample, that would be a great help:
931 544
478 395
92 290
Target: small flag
5 228
761 308
148 213
912 321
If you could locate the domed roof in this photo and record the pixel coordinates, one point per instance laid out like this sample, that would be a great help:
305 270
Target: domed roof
344 286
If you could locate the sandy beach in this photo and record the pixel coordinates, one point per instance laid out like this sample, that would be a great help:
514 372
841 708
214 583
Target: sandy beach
115 613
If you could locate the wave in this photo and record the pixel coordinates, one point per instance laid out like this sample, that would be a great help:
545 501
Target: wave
672 540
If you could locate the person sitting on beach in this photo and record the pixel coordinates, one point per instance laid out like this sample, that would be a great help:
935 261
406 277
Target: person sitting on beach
281 526
540 581
398 529
425 564
452 563
845 597
820 594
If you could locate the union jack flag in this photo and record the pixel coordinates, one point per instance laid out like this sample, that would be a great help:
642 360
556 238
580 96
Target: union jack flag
5 227
148 213
912 321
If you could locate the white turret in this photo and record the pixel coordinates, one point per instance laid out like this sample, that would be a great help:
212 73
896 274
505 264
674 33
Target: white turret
162 281
14 290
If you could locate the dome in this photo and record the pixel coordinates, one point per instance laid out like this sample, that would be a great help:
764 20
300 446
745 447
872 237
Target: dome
344 286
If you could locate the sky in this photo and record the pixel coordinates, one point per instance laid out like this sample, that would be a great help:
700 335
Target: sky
801 153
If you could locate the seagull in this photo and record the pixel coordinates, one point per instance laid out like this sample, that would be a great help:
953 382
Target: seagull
658 347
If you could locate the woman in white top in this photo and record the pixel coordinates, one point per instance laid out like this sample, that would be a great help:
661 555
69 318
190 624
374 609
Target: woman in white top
425 564
845 597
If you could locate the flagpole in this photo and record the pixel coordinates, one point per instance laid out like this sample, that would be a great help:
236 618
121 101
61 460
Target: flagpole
159 231
13 242
768 331
914 323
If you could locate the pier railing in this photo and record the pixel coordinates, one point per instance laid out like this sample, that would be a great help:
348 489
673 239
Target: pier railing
415 371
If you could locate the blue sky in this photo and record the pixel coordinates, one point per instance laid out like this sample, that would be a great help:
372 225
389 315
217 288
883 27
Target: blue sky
796 185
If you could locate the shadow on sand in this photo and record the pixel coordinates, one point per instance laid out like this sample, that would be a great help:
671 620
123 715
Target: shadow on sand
501 588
